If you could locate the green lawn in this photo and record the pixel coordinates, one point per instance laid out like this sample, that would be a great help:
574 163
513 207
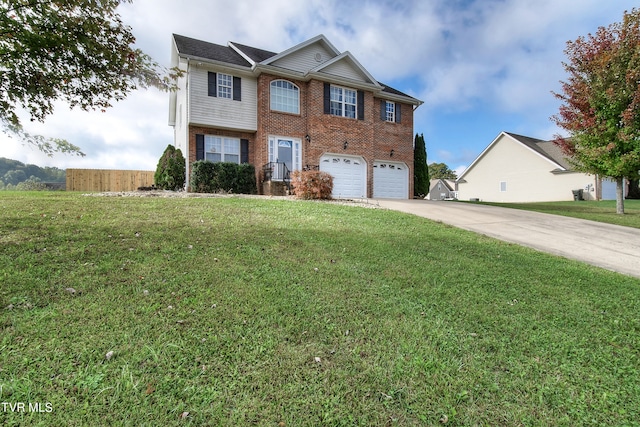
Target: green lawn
601 211
238 311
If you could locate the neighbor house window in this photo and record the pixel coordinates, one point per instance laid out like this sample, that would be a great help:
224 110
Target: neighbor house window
390 108
343 102
503 186
221 149
285 97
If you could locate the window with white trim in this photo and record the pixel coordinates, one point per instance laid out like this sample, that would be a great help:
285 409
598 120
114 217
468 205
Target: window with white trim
225 86
503 186
285 97
221 149
343 102
391 111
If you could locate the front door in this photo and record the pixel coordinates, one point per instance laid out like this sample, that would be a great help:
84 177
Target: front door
284 150
285 153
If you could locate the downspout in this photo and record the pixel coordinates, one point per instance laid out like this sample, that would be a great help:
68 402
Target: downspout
187 124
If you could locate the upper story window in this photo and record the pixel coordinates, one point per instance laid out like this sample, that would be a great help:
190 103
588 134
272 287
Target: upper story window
390 108
343 102
221 149
285 97
224 86
390 111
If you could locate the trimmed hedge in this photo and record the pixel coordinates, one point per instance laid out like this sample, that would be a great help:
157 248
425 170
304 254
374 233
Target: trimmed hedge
223 177
312 184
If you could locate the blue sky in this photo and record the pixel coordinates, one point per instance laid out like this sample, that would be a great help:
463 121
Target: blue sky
481 67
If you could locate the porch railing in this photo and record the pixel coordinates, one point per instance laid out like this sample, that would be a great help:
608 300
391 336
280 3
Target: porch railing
277 171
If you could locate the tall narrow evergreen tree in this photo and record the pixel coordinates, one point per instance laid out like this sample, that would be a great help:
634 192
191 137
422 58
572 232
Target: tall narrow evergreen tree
420 168
171 170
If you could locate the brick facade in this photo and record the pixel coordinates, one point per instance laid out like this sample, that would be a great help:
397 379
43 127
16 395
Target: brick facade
371 138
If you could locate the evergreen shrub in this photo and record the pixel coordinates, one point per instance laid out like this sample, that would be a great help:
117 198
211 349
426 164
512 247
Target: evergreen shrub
223 177
171 170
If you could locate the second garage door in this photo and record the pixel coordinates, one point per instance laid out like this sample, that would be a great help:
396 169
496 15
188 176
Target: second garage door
390 180
349 175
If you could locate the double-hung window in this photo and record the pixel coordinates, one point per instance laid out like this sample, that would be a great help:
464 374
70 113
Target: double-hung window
285 97
390 108
225 85
221 149
343 102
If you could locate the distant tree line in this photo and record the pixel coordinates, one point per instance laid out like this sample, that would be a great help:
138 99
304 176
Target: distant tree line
15 175
441 171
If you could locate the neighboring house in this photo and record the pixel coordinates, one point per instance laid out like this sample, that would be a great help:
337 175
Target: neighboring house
442 189
516 168
308 107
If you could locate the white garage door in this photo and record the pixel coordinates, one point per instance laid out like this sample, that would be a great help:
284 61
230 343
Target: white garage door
349 175
390 180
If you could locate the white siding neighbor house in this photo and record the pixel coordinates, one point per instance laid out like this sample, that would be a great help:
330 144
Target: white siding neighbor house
516 168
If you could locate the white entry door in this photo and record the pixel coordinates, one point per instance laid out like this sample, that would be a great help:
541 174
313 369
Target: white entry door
285 150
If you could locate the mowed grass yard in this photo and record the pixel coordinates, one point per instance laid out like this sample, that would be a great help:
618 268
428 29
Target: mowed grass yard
244 311
601 211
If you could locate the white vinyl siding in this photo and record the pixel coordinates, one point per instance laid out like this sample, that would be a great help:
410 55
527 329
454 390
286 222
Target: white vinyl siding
528 177
221 112
343 68
305 59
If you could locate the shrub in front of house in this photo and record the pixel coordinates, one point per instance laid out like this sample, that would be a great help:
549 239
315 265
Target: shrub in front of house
171 170
312 184
223 177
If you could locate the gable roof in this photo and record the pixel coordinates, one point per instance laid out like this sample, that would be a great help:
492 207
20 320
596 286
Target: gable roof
254 54
346 57
320 39
200 49
447 183
545 149
247 56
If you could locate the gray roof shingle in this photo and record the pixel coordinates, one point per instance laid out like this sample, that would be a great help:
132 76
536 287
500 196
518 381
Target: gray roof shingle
257 55
201 49
545 148
206 50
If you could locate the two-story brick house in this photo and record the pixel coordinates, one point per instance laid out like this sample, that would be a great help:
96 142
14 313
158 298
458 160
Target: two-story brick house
310 106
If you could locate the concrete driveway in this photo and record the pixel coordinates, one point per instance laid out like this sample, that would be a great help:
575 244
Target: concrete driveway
607 246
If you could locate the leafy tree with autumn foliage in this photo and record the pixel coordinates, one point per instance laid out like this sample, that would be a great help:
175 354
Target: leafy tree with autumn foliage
601 102
78 51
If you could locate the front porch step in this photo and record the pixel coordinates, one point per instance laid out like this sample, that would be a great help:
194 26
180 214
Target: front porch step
275 188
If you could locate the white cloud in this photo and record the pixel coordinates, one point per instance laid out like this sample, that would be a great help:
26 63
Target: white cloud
497 58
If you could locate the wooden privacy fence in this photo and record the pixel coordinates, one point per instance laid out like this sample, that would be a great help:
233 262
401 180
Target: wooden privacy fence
107 180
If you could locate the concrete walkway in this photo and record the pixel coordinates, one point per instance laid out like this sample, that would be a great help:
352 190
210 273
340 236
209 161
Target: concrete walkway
607 246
